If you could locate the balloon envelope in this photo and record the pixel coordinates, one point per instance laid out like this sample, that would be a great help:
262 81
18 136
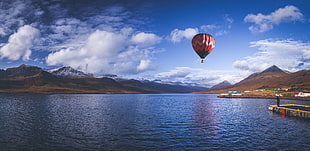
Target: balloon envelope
203 44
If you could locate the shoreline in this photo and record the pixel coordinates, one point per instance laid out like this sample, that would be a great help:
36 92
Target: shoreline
265 97
128 92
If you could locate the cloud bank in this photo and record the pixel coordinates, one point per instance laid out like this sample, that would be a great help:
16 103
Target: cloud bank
264 23
109 52
90 38
199 76
287 54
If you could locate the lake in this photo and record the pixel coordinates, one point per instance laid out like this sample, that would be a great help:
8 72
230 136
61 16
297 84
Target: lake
147 122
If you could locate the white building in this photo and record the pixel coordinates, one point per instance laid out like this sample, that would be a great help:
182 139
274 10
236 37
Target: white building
303 94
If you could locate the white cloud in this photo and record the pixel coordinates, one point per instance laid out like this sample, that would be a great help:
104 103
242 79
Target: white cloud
263 23
19 43
96 53
145 39
108 52
287 54
145 65
104 44
177 35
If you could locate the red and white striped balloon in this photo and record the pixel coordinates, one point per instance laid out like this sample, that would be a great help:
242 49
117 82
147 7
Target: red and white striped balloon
203 44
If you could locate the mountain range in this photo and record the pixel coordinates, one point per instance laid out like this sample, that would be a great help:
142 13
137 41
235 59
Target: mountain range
271 78
32 79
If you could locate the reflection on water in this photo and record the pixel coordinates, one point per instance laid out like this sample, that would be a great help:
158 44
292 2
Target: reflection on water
146 122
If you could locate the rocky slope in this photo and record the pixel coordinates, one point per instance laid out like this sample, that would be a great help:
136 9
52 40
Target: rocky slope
271 78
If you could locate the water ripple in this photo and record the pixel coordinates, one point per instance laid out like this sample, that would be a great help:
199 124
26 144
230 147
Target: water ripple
146 122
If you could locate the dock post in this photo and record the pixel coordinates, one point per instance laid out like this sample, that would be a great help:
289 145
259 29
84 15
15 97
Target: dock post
283 113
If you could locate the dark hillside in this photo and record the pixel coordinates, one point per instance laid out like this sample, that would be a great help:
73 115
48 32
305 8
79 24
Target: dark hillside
30 79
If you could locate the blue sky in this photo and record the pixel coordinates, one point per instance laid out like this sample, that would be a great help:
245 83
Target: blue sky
152 39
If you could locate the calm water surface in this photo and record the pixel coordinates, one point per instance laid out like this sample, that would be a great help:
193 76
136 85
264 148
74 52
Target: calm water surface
146 122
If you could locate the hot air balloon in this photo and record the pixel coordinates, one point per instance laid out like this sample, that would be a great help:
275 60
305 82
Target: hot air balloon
203 44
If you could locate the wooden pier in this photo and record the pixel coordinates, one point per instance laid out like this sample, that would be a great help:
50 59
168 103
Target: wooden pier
291 110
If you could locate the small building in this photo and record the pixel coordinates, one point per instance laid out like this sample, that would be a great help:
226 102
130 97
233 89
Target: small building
233 92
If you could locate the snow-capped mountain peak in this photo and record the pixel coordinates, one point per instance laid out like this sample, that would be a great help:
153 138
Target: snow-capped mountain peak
68 72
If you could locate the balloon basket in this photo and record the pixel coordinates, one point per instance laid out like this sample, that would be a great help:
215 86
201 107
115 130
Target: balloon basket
202 61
